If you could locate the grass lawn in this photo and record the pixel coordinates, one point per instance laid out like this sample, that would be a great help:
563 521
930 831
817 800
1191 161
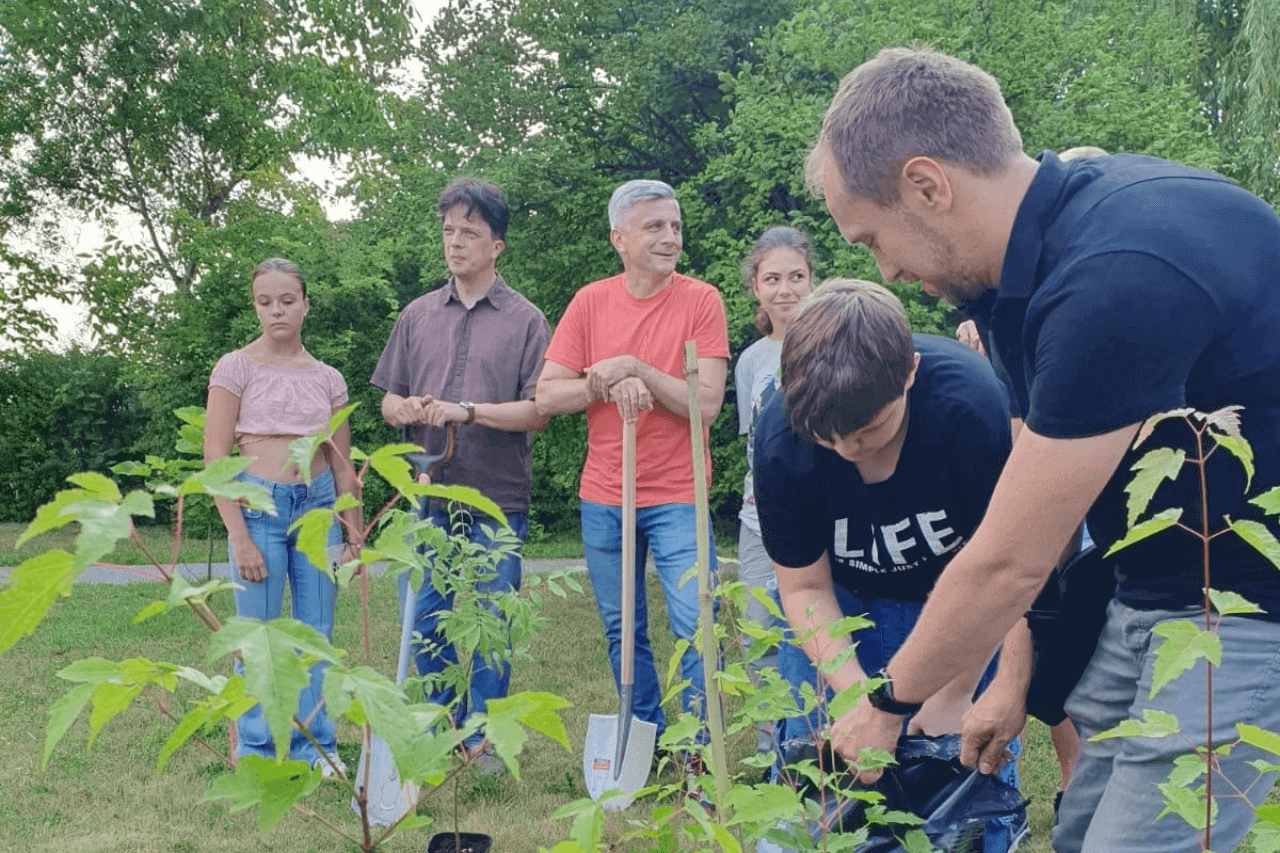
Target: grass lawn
109 798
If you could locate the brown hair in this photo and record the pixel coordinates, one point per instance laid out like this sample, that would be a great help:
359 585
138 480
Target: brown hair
847 355
279 265
911 102
777 237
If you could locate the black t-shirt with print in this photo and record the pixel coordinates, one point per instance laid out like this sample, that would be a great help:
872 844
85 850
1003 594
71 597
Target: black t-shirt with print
893 538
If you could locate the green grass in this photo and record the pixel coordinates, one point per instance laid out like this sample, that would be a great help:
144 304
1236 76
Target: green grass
108 798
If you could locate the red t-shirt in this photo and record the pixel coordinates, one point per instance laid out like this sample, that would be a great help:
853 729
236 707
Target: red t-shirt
604 320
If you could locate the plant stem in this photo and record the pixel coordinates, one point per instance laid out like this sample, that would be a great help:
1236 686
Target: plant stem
1208 668
706 618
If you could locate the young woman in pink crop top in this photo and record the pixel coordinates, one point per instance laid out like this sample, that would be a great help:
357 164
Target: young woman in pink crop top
261 398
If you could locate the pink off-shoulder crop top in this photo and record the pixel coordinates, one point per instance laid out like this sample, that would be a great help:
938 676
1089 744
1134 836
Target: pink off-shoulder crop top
279 400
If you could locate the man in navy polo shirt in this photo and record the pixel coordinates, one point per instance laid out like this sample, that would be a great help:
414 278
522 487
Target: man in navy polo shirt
1114 288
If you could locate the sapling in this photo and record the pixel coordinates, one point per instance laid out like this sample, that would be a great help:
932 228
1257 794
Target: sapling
1184 643
278 654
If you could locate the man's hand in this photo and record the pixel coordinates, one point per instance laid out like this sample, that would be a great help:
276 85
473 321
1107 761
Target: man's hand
631 396
865 727
941 715
987 728
967 334
438 413
603 375
410 410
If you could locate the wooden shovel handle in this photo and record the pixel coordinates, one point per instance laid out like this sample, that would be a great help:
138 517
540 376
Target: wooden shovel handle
628 552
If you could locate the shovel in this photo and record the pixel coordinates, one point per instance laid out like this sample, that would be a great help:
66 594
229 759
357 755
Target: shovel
619 749
388 799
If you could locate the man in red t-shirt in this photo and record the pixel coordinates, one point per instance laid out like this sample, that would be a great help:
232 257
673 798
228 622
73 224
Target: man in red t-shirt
618 353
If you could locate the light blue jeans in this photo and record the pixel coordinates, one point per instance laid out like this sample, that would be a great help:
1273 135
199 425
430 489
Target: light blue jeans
1112 801
876 646
488 681
669 530
312 594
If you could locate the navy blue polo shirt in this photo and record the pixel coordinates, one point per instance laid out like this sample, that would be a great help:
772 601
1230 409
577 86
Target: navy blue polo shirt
893 538
1133 286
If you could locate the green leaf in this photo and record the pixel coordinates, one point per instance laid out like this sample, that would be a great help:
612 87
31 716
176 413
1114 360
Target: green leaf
32 589
272 786
1152 469
303 450
62 714
761 804
218 479
462 494
1231 603
180 593
96 485
1150 527
391 465
1153 724
339 417
189 725
508 717
313 537
273 671
1269 501
1185 803
1264 836
1268 813
1187 769
1267 741
1257 535
1149 426
1184 644
1239 447
109 701
846 699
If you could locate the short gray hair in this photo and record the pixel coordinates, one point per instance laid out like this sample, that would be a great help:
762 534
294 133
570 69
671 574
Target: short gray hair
632 193
911 102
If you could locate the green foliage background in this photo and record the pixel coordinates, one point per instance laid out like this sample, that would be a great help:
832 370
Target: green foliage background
198 122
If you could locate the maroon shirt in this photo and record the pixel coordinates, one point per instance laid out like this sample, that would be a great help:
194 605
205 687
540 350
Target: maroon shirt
490 353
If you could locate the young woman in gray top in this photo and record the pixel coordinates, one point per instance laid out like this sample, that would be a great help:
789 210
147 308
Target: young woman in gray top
778 274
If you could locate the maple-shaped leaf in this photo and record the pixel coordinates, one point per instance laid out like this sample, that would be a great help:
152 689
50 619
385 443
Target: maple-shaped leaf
274 671
274 787
1184 644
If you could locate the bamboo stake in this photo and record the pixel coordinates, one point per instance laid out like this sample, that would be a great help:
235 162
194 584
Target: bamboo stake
706 620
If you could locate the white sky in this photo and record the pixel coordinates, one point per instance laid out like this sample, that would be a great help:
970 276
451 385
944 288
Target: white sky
85 237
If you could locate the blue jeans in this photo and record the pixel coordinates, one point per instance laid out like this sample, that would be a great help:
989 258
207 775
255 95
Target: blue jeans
669 529
489 679
1112 801
877 644
312 595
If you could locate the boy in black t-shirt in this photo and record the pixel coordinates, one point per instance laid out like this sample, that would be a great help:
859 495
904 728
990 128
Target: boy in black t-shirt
874 464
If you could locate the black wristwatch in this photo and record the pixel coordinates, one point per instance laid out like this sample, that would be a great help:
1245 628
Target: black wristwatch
881 698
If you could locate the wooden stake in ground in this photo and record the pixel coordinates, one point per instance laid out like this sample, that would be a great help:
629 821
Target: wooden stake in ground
706 620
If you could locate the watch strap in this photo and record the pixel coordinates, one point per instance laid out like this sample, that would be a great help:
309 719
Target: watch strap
471 411
882 698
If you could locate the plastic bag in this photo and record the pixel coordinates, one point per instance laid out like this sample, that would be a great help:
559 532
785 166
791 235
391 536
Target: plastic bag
929 781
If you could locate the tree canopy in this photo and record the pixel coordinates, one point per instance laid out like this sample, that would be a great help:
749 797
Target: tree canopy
191 117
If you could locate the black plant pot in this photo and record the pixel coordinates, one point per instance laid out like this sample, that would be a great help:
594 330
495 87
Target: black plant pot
459 842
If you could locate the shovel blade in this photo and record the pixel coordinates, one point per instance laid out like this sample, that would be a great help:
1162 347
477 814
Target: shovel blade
599 767
389 799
